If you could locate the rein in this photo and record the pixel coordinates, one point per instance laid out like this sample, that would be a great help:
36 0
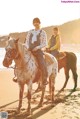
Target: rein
21 61
15 67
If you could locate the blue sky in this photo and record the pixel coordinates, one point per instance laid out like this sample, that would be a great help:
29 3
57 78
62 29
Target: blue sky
17 15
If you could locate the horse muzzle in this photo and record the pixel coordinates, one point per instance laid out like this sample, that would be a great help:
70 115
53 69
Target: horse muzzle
6 62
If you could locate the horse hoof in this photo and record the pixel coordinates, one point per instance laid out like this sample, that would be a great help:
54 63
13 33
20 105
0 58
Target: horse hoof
38 89
73 90
61 90
17 111
28 113
40 105
52 104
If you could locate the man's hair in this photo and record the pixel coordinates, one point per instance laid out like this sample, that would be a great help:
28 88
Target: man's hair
36 20
55 28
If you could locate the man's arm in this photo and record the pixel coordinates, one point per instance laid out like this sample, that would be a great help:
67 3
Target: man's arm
57 46
27 40
43 41
43 38
49 43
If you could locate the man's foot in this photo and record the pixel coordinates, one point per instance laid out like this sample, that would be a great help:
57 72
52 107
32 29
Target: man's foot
45 83
15 79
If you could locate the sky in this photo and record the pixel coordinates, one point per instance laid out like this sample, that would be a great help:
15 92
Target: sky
17 15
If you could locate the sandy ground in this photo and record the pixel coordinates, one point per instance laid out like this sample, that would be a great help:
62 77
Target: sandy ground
68 108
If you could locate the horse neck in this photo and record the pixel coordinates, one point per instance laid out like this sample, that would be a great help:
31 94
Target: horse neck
19 61
29 57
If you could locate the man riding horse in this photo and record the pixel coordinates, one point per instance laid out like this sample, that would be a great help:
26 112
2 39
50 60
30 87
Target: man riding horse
54 43
36 40
66 60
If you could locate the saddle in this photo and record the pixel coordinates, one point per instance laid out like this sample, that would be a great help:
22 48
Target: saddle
48 59
61 55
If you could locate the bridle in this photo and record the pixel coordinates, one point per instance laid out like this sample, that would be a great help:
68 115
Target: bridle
12 54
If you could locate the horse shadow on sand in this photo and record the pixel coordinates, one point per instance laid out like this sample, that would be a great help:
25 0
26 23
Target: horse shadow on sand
39 111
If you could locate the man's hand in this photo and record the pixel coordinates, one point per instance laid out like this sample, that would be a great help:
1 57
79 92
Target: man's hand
52 49
36 48
47 49
25 47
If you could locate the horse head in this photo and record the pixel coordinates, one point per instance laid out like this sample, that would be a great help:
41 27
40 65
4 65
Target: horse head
11 51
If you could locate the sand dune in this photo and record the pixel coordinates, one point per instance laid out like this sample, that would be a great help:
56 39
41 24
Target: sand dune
70 33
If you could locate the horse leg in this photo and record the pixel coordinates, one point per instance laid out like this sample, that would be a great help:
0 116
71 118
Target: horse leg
39 88
75 78
42 96
50 86
29 103
67 78
29 98
52 78
21 90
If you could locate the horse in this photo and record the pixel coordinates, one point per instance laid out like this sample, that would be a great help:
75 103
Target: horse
68 62
27 70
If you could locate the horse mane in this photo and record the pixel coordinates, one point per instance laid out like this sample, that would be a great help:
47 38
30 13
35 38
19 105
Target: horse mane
20 49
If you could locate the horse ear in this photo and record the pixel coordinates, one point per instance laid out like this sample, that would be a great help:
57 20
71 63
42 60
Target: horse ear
16 41
8 37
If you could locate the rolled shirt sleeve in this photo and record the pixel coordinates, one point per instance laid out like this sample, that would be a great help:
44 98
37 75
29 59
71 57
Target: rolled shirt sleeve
43 40
27 40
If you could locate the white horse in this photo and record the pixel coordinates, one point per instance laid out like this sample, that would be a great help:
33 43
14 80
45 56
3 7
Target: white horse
27 70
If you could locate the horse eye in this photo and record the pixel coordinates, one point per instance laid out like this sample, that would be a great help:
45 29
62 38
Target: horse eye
6 47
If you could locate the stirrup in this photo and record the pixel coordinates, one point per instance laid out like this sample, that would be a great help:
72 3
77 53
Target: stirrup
45 83
15 79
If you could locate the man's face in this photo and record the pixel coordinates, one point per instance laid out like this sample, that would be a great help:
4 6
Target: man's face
55 32
36 24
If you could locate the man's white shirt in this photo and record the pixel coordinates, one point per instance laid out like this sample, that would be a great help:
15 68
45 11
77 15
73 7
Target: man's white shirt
43 38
